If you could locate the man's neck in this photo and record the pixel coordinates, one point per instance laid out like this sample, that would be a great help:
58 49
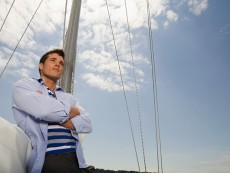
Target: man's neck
51 84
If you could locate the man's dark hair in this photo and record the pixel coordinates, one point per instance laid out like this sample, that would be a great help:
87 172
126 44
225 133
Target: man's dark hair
60 52
44 57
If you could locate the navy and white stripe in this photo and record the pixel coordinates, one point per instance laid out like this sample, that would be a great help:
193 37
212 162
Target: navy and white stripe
60 140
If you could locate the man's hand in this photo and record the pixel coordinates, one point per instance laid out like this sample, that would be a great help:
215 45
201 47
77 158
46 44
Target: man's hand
69 125
73 112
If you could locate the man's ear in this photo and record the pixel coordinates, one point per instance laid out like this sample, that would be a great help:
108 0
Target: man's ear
41 65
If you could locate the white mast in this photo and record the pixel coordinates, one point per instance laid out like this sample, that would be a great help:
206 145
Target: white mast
70 46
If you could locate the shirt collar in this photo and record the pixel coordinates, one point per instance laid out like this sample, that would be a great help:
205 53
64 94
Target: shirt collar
41 81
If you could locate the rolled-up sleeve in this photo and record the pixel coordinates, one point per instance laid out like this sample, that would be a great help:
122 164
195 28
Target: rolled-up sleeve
40 106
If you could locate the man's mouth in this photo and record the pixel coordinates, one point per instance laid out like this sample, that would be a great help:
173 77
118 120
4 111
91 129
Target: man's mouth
56 69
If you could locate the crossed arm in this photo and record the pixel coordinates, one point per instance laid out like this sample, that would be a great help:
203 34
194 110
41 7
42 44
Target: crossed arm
79 120
27 98
73 112
77 110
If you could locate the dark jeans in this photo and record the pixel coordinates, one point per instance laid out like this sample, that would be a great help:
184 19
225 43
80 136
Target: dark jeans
62 163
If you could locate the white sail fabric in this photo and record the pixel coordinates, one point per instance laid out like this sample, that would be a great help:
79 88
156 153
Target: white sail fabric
15 148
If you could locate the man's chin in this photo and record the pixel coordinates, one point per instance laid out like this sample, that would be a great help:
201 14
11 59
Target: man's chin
55 78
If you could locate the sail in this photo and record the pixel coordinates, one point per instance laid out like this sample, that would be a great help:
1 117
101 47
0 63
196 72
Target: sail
15 148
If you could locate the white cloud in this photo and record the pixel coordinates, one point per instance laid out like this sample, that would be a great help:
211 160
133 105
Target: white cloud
20 64
4 57
23 73
171 16
105 82
102 66
41 35
101 82
158 7
197 6
48 19
96 49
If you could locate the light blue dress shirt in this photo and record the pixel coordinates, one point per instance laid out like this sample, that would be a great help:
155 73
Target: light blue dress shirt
33 111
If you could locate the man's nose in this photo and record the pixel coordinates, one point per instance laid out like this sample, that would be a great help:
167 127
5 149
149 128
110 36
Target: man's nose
57 64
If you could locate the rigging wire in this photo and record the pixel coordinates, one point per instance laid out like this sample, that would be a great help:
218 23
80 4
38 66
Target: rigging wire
7 15
157 119
64 23
118 61
21 38
135 82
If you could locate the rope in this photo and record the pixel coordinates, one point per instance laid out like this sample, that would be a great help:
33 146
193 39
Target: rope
7 15
157 121
135 81
20 39
123 86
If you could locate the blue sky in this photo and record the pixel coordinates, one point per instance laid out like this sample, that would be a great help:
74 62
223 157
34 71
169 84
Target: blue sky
191 49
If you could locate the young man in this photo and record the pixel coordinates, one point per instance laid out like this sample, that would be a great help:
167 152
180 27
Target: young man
51 119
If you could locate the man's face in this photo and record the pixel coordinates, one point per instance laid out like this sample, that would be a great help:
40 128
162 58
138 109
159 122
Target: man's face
53 67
